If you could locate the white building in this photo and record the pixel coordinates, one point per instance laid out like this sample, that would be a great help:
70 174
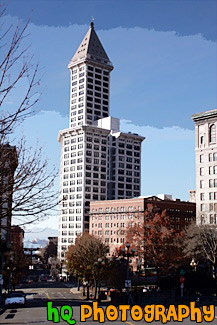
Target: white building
98 161
206 166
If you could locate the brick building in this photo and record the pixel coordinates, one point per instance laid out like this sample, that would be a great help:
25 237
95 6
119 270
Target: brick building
109 220
17 235
8 165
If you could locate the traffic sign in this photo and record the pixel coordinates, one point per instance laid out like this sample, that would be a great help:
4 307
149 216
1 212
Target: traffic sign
127 283
182 279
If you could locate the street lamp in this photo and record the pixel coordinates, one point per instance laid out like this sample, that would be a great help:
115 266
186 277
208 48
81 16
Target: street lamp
128 254
194 264
99 263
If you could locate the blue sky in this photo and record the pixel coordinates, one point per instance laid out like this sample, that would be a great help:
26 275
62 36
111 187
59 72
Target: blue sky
164 55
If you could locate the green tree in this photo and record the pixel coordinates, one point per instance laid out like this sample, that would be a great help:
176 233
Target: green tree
82 258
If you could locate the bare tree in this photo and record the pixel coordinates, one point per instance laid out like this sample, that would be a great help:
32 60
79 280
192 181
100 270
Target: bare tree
26 187
16 66
201 244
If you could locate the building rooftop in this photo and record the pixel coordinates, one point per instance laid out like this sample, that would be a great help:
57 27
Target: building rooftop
204 115
90 48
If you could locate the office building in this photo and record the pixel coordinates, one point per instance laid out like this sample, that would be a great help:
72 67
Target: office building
206 166
98 161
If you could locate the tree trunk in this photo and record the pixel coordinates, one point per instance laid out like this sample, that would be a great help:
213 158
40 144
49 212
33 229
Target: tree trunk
88 292
96 287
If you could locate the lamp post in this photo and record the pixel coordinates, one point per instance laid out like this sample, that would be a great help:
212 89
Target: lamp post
128 254
194 264
99 263
9 279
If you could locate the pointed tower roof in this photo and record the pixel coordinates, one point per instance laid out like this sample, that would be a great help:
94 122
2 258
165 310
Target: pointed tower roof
90 48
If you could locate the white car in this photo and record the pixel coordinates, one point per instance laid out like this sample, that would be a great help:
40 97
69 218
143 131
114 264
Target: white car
15 299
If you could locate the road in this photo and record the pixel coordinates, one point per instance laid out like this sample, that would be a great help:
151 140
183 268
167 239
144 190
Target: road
39 294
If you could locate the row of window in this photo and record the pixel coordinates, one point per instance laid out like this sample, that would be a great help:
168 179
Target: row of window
97 70
129 159
71 225
128 166
68 233
111 240
109 225
108 217
121 194
212 183
212 219
73 161
72 189
95 175
212 196
118 209
73 147
67 240
71 204
211 206
95 197
73 140
212 170
78 218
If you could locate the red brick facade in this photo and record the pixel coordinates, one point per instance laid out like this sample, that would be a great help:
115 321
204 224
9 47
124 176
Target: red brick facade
109 220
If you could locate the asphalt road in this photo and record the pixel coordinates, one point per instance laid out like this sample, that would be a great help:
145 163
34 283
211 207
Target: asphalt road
60 294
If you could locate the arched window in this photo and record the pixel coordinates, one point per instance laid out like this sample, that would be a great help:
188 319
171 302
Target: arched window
212 133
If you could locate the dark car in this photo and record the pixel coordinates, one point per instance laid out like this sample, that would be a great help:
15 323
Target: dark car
43 278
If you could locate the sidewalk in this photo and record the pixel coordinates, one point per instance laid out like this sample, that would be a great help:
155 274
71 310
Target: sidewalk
75 291
2 309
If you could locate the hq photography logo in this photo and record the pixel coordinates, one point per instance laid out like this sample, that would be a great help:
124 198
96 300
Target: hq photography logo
149 313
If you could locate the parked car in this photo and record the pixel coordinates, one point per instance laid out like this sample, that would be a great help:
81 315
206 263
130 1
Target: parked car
43 278
15 299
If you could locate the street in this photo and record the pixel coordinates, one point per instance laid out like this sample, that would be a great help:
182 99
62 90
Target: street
37 296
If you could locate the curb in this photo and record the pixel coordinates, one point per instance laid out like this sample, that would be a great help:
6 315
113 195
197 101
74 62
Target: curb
2 310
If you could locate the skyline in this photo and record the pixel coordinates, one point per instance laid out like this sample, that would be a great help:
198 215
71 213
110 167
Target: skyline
179 67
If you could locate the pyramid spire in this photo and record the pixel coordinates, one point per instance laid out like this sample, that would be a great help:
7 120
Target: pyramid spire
90 48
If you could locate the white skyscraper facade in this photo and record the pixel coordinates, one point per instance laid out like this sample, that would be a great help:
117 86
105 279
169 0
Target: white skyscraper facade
206 166
98 161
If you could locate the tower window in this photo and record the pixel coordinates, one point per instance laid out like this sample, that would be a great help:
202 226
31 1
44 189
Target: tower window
98 76
212 133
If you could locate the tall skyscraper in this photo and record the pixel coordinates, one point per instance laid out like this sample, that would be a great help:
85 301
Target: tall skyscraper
98 161
206 166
